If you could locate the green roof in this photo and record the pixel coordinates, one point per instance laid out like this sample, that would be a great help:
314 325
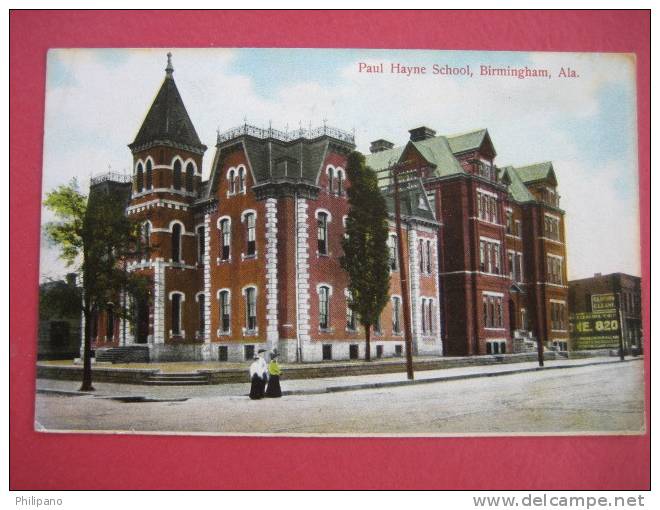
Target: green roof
437 151
466 141
382 160
516 186
536 172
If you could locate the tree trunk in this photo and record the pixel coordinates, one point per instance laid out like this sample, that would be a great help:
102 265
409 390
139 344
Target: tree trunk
87 354
367 337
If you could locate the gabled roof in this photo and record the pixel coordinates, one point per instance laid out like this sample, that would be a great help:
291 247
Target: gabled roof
437 151
168 120
516 186
537 172
472 140
414 202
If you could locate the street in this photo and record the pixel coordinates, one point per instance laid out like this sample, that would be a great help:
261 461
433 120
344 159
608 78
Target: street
589 399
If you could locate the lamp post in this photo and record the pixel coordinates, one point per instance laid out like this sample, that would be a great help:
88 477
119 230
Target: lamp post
403 274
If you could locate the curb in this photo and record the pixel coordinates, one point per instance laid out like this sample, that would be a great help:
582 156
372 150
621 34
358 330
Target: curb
390 384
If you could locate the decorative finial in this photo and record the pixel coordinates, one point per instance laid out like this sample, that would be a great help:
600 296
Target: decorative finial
169 69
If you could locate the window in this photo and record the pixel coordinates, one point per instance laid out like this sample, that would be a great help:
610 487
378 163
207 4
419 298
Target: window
223 353
551 227
509 222
514 260
324 307
340 182
150 178
377 327
554 270
251 220
190 175
489 256
353 351
176 175
492 311
146 235
398 351
424 316
420 254
225 238
202 322
518 228
241 179
331 179
322 233
428 257
176 313
394 259
429 311
225 311
558 315
176 242
248 352
350 314
487 207
496 347
251 309
523 319
232 182
110 325
327 352
396 312
379 351
139 178
201 245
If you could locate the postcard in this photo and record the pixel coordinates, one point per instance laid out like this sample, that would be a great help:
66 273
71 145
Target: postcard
340 242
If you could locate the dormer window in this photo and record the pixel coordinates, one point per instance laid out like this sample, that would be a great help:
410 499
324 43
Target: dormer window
241 179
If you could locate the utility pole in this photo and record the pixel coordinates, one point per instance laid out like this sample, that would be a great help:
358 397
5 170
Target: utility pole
403 274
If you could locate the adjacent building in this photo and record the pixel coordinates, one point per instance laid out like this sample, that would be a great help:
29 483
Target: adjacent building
249 258
606 310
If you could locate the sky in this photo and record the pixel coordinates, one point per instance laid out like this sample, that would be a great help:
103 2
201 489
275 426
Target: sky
96 100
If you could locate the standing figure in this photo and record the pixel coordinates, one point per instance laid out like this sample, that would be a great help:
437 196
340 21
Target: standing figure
258 377
274 371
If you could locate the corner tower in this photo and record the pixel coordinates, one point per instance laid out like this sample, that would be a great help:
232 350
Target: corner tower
167 184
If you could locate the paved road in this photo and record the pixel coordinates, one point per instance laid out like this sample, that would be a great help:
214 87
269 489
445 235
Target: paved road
602 399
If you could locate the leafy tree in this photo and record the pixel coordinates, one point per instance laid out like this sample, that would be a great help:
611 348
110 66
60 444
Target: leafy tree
366 254
95 235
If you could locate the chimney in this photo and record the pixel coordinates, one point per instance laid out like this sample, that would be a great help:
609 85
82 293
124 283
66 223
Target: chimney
380 145
421 133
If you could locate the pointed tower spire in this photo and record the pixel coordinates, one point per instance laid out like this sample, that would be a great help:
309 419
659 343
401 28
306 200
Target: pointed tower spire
169 69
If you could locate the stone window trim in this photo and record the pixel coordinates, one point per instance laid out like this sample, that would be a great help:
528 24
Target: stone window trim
220 260
246 330
200 333
336 174
170 295
244 218
181 260
328 219
220 331
328 287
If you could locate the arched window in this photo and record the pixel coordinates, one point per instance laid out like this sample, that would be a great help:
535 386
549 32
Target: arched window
190 174
251 222
201 245
322 233
241 179
225 239
146 235
225 311
324 307
251 309
176 299
110 323
150 177
340 182
331 179
396 312
394 259
428 257
176 242
176 175
139 178
232 182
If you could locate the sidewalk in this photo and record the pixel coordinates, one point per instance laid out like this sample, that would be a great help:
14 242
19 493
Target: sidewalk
313 386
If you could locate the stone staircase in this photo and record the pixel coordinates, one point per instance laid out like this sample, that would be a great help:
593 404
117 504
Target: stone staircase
523 341
125 354
174 379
